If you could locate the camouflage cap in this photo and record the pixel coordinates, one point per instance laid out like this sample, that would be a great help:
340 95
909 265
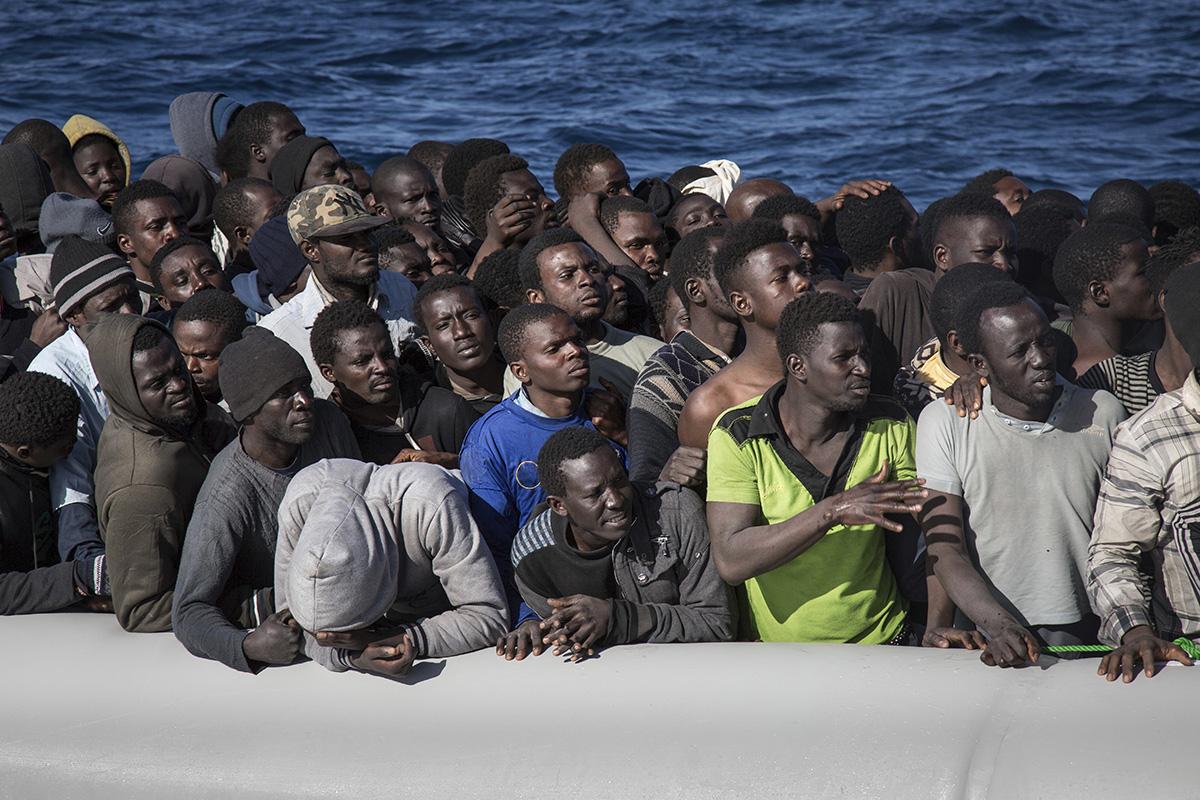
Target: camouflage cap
329 210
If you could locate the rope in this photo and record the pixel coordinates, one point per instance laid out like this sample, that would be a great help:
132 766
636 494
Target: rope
1185 644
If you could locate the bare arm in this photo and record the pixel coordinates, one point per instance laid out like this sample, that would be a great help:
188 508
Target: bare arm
584 217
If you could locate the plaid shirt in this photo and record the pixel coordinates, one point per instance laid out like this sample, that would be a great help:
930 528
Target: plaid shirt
1150 504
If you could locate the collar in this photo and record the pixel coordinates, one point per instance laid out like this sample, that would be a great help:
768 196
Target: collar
1029 425
374 298
698 348
1189 394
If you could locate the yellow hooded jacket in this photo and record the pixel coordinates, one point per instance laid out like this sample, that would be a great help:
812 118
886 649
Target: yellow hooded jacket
82 125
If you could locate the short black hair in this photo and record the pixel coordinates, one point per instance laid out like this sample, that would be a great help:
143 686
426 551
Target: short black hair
985 182
740 241
952 292
865 226
1184 248
968 206
611 209
927 227
527 267
343 315
1041 231
498 279
481 191
463 158
251 126
1176 207
515 325
148 337
1090 254
431 153
800 324
222 309
657 300
165 252
1056 197
692 259
567 444
436 285
997 294
43 136
573 166
778 206
124 207
232 207
36 409
1122 197
389 235
689 174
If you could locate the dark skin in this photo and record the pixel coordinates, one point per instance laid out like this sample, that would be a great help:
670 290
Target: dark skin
983 240
573 280
675 317
284 128
102 168
262 199
1012 192
410 260
42 456
201 343
608 177
188 270
347 265
164 386
1018 361
643 240
695 211
900 251
1141 645
1113 307
155 221
272 436
825 388
119 298
522 212
746 196
278 641
410 195
327 166
583 215
803 232
616 313
442 258
459 331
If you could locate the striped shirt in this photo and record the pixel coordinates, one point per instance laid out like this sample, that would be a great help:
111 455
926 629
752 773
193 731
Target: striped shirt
1132 379
1150 505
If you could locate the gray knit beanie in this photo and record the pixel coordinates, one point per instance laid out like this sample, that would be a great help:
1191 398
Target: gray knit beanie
254 368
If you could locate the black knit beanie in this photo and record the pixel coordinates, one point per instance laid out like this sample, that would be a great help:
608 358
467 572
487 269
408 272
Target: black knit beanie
80 269
287 169
1182 304
254 368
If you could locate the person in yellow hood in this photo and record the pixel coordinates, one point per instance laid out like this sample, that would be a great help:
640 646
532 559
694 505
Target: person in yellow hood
100 156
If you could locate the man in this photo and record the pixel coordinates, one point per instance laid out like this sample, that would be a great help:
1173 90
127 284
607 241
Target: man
146 216
634 228
505 204
309 161
395 415
331 226
758 272
1147 508
151 461
257 134
1122 199
587 168
1003 186
966 228
1176 208
800 220
393 549
611 562
53 147
457 166
399 252
558 268
679 367
544 350
443 259
747 195
191 184
406 191
224 597
453 320
432 154
89 281
183 267
879 234
240 208
1011 493
800 483
1101 274
203 327
693 212
37 429
280 270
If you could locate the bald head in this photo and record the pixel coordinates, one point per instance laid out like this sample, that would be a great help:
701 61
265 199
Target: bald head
406 190
746 196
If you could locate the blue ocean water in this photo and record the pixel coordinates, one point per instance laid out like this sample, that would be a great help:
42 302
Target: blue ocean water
926 94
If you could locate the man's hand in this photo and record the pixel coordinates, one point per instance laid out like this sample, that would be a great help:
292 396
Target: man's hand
1010 645
1140 644
525 640
869 502
358 639
578 623
966 394
583 209
953 637
276 641
510 217
441 459
388 658
685 466
607 410
864 189
46 328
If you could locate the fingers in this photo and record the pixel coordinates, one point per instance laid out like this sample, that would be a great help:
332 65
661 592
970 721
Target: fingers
1128 663
879 476
1177 653
933 638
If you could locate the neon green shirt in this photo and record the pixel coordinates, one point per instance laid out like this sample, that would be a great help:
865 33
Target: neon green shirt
841 589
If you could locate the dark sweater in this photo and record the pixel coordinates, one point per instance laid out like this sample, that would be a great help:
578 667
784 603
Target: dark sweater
430 418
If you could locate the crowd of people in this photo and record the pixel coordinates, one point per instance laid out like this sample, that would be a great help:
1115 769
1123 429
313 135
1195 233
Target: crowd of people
292 408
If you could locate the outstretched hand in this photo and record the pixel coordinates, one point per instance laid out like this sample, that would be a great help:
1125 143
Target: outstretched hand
871 501
1142 645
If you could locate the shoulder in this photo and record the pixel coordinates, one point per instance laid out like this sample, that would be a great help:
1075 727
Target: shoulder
1103 406
736 421
396 286
285 316
900 281
536 535
881 407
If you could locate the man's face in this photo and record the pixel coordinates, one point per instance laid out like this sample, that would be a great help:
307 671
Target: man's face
441 257
598 498
1019 353
156 221
642 239
837 371
44 456
553 357
201 343
573 281
411 195
1012 192
774 276
608 177
983 240
803 232
284 128
675 317
714 297
287 416
522 182
365 366
348 259
616 313
262 199
458 329
696 211
164 385
102 169
1131 297
410 260
187 271
327 166
120 298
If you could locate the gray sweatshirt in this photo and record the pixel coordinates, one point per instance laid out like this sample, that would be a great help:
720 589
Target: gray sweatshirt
449 599
226 574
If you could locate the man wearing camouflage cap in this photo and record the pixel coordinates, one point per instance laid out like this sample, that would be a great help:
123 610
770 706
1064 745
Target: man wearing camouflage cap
331 226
